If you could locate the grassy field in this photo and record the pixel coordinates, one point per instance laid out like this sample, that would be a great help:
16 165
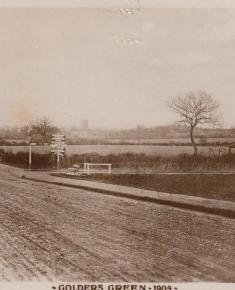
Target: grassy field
103 150
215 186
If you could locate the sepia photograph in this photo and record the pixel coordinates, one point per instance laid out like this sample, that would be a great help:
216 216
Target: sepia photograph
117 144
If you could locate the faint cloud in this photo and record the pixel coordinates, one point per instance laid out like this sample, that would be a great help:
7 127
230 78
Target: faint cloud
128 40
224 32
21 112
149 29
184 60
130 11
117 38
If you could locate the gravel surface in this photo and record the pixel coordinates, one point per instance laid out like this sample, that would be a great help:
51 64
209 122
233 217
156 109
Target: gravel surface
50 232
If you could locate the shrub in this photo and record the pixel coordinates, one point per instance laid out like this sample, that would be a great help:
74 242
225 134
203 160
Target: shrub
21 159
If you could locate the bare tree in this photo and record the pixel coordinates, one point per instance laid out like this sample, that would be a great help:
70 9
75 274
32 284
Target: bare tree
41 130
195 108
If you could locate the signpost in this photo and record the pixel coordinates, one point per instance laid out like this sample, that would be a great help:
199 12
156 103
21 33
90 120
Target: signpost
58 147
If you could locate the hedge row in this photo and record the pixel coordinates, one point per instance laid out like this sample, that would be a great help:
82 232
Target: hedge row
182 162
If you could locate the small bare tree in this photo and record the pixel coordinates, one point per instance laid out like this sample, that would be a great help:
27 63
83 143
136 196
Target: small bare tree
41 130
195 108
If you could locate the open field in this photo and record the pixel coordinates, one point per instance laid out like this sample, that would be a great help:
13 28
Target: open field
216 186
51 232
171 140
153 150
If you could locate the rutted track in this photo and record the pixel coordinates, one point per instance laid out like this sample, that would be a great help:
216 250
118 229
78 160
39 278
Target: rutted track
50 232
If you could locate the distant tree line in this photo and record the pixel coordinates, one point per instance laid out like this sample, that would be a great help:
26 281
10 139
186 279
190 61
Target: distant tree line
38 131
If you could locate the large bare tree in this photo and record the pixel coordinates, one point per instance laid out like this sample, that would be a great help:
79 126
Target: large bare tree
195 108
41 130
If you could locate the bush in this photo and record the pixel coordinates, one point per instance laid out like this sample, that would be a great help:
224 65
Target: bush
21 159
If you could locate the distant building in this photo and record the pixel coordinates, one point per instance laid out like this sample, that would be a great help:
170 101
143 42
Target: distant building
84 124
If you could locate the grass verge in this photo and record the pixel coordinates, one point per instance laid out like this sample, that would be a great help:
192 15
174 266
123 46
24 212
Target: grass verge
214 186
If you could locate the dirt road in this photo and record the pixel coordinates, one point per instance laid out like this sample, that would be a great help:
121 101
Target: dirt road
49 232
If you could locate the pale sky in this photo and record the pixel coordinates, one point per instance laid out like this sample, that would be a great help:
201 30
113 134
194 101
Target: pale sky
111 67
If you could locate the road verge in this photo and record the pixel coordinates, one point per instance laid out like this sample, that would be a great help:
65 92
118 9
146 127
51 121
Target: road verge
199 204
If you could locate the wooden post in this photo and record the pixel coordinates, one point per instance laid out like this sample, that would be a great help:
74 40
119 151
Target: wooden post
30 156
58 158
